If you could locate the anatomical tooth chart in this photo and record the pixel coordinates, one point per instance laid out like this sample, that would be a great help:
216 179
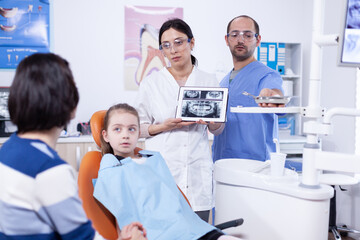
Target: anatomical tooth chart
142 54
24 30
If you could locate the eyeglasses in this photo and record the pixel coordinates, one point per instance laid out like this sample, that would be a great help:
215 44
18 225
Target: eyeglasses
246 36
178 43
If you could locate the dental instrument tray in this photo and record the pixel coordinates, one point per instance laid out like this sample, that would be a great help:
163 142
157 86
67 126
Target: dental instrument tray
273 99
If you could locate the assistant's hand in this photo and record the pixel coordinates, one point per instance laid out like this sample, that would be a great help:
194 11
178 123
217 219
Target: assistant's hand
211 125
133 231
267 92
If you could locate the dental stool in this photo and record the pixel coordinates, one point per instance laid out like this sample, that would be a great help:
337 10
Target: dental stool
340 180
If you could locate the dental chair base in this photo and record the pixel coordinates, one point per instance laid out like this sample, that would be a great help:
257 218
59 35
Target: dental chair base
273 207
338 231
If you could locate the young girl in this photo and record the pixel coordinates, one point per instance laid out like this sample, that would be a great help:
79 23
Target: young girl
139 186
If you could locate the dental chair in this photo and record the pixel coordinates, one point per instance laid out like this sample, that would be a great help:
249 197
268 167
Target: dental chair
102 220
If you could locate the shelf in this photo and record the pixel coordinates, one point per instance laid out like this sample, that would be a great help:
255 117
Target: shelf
290 76
240 109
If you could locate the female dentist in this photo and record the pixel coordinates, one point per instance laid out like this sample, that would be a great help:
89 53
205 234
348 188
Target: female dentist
184 145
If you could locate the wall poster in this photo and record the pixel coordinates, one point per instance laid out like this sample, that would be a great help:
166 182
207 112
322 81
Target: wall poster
24 30
142 54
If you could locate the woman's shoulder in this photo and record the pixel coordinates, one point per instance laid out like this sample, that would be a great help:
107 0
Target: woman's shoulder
154 77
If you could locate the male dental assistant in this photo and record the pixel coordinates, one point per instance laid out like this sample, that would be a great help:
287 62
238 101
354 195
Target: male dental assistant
247 135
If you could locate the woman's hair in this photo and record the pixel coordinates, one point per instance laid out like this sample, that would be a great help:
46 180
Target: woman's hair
43 94
178 25
123 107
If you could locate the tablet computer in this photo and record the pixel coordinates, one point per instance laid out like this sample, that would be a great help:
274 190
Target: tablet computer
206 103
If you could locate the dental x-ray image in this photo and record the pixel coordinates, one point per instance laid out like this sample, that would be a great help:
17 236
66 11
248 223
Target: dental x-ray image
206 103
203 94
4 96
353 15
351 51
208 109
192 94
351 35
214 95
349 47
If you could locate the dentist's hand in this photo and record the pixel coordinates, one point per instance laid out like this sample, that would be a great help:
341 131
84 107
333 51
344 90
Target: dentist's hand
168 125
174 123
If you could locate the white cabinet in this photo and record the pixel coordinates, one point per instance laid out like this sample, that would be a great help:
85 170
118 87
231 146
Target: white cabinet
287 59
73 151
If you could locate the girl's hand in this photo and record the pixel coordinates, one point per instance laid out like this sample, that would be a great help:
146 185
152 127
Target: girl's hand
133 231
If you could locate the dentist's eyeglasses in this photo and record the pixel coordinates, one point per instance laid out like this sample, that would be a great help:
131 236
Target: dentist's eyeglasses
246 36
178 44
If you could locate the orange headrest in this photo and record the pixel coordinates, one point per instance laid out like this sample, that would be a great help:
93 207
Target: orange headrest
96 124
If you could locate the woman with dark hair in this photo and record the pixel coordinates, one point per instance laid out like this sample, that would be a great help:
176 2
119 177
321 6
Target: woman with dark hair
184 145
39 198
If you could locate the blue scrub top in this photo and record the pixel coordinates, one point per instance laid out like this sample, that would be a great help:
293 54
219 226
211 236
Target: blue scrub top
248 135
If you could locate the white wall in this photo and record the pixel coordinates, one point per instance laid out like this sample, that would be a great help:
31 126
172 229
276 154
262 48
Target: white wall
90 33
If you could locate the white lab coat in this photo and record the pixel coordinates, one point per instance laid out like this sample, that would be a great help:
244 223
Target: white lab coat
185 150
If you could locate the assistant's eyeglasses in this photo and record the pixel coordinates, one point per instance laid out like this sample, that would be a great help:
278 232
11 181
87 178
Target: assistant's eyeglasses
246 36
178 43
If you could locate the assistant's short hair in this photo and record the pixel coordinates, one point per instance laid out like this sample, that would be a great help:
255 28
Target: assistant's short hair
257 28
43 94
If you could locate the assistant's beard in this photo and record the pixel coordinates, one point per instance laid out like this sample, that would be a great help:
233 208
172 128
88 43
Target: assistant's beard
239 57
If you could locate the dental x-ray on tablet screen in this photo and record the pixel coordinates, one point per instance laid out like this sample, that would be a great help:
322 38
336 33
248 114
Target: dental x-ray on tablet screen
206 103
349 47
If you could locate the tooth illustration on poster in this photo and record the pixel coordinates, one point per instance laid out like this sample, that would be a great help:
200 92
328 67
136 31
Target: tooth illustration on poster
142 54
